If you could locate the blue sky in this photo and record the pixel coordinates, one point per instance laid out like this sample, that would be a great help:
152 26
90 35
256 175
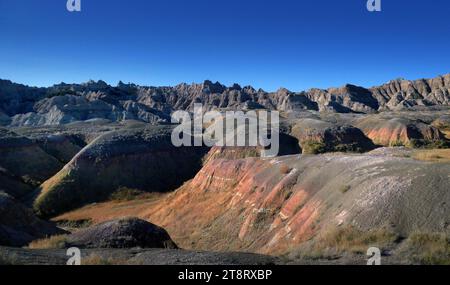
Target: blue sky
265 43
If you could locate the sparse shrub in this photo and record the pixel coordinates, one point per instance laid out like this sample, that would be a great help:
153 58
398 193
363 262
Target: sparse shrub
344 189
428 144
397 143
313 147
125 194
54 242
414 143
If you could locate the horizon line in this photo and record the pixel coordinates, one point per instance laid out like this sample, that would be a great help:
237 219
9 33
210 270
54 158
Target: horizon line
226 86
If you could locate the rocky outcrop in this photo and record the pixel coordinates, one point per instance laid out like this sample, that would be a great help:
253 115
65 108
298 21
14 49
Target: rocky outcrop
24 158
275 205
404 94
18 224
398 131
140 158
316 136
18 98
347 99
122 233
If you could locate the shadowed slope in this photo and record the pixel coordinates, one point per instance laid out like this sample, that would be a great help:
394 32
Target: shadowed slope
139 158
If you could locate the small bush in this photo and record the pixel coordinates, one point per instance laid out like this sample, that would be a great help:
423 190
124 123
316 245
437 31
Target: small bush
344 189
313 147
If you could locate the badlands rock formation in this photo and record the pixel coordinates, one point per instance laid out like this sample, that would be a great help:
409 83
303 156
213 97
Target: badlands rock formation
275 205
64 103
74 145
139 158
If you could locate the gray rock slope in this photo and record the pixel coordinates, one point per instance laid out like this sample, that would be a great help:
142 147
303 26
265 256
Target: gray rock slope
25 159
18 224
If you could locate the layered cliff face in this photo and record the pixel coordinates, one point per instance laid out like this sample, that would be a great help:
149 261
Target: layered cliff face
139 158
275 205
65 103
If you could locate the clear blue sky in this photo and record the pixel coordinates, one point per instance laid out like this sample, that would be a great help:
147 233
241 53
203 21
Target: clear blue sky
295 44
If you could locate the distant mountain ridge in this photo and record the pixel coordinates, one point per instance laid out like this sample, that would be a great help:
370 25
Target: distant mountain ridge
21 105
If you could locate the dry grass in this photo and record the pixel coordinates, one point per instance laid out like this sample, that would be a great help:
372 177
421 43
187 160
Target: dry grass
354 240
348 240
54 242
95 259
430 248
435 155
100 212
